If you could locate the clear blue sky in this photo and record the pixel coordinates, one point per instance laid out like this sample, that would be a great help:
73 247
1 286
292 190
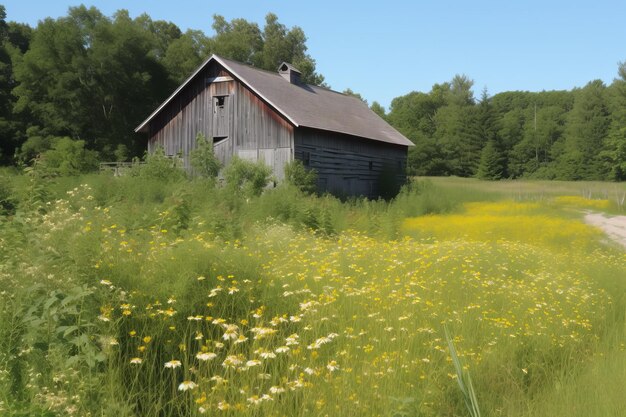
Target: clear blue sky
384 49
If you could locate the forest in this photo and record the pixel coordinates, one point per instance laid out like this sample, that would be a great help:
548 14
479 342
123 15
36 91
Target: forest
75 87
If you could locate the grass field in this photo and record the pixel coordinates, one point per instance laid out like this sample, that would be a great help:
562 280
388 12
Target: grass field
129 297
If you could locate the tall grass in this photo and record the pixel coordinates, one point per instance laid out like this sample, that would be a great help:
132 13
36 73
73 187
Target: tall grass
133 297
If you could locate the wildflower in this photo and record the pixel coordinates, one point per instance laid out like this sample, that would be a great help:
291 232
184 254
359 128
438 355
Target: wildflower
231 361
206 356
231 332
332 366
173 364
254 400
282 349
261 332
136 361
147 339
106 282
276 390
319 342
253 362
265 354
218 380
223 405
292 340
187 385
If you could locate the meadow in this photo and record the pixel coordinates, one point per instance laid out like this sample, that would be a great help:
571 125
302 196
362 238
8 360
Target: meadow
143 297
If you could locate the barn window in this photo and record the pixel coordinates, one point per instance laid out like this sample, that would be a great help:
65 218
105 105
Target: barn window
219 139
306 158
218 103
371 165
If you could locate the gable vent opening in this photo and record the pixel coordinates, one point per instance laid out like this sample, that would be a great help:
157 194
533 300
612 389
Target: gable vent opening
289 73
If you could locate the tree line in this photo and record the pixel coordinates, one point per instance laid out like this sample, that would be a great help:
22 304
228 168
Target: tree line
85 80
93 78
568 135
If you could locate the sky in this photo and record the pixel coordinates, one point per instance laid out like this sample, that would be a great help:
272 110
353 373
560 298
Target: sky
385 49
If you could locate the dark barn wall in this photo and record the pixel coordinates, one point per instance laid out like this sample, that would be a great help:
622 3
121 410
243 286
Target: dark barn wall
348 165
240 123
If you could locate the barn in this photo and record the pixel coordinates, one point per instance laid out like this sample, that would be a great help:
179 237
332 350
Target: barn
273 117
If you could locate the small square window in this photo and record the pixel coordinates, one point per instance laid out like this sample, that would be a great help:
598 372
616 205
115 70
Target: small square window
218 103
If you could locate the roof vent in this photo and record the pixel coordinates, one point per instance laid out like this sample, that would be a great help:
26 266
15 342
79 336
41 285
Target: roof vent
289 73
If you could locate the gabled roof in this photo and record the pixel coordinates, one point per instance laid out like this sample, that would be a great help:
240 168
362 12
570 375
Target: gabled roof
302 104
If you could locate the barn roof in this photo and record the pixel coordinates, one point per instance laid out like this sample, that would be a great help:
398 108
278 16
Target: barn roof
302 104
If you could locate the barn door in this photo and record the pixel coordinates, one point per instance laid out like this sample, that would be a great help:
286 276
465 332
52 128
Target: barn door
221 116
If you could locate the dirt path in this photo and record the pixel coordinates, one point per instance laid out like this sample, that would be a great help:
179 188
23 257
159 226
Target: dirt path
614 226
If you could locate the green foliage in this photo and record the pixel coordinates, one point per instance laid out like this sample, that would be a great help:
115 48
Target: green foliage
463 378
246 176
160 167
88 76
91 77
300 177
8 202
68 157
491 165
203 159
113 271
584 136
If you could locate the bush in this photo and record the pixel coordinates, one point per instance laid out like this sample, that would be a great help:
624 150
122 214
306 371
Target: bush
250 177
8 203
160 167
203 159
303 179
68 157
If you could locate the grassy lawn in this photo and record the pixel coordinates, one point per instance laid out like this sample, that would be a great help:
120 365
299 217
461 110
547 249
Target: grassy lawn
130 297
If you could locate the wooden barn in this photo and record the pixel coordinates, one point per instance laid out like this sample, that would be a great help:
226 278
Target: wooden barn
274 118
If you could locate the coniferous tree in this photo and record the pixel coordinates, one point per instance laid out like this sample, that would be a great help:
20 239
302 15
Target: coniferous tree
614 153
491 166
586 130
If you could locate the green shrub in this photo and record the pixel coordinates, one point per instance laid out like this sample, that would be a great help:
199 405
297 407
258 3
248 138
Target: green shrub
250 177
300 177
203 160
68 157
160 167
8 202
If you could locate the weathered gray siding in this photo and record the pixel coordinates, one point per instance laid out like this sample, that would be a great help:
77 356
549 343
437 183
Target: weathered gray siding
261 134
243 125
348 165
